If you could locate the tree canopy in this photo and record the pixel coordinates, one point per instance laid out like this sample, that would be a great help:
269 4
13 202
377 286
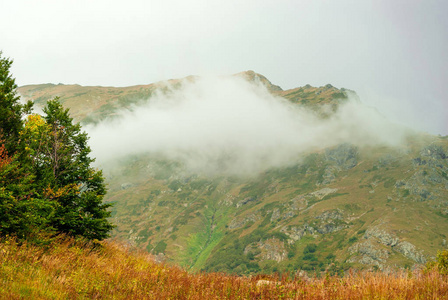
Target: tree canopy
48 185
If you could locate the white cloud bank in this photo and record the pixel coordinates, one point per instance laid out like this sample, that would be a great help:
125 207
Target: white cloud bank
231 126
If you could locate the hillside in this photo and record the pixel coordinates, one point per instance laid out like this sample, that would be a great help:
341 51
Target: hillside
372 206
73 270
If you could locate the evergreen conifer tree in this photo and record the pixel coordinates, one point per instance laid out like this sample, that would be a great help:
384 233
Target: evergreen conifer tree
22 212
47 183
11 111
59 156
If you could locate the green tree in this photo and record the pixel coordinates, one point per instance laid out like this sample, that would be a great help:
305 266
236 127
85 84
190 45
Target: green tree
47 183
22 212
59 155
11 111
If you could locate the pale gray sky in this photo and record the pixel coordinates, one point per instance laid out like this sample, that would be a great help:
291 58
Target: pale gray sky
393 53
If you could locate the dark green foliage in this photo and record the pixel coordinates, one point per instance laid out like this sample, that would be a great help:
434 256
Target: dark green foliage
310 248
47 184
11 111
330 256
175 185
362 231
160 247
340 95
22 212
352 239
63 171
310 256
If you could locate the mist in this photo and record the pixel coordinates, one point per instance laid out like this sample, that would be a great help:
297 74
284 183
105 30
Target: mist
229 126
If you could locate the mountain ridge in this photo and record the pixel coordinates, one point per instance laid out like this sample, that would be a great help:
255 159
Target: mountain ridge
341 206
100 97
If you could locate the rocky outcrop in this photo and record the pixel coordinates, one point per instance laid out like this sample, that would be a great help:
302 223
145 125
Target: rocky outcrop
297 232
368 254
386 243
238 223
320 194
345 156
435 152
342 157
245 201
331 221
383 237
431 169
270 249
328 215
411 252
298 203
275 215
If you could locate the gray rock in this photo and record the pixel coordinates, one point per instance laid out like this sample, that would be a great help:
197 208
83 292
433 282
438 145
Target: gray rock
384 237
297 232
275 215
245 201
323 192
334 214
329 228
369 252
329 175
410 251
270 249
434 151
345 156
238 223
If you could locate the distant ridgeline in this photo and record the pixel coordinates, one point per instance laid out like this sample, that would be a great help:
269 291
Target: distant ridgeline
370 207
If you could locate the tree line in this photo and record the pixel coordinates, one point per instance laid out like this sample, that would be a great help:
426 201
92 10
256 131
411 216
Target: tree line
48 185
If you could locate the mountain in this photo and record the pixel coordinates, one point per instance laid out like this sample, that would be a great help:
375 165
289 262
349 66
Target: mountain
369 206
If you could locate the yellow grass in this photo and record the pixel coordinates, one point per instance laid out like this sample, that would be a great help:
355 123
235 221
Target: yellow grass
72 270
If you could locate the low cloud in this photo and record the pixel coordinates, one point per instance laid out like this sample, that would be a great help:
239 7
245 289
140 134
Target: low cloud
230 126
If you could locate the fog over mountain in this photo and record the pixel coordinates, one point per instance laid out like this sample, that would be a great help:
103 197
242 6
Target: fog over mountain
226 125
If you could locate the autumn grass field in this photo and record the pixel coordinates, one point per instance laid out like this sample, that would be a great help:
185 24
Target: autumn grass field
67 269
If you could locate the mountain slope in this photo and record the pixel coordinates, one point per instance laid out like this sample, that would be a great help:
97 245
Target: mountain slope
370 206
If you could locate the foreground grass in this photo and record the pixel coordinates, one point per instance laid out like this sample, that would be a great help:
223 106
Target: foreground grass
72 270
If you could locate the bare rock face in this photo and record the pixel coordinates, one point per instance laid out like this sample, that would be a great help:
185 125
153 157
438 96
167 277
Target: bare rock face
334 214
245 201
384 237
331 221
345 156
320 194
379 244
342 157
429 180
369 254
240 222
297 232
328 221
411 252
270 249
276 214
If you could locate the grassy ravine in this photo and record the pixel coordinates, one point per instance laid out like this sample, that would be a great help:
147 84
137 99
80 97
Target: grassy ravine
72 270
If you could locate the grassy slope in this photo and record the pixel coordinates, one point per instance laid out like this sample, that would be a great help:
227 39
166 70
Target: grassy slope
72 270
201 223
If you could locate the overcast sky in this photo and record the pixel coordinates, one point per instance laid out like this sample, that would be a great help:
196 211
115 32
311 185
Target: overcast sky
392 53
